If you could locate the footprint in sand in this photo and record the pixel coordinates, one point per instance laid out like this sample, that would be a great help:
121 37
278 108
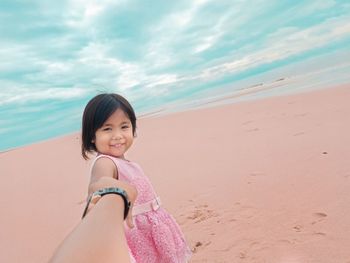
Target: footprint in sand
253 130
247 122
285 242
201 213
319 234
298 228
319 216
254 175
298 133
198 245
242 255
257 174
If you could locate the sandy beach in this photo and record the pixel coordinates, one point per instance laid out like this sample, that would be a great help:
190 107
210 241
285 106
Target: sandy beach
258 181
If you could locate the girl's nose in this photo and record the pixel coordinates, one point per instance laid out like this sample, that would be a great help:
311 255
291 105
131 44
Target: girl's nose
117 136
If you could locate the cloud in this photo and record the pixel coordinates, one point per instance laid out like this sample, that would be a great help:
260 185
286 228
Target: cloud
24 95
57 54
125 46
284 43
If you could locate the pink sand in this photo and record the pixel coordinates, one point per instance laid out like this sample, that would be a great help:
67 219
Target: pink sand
259 181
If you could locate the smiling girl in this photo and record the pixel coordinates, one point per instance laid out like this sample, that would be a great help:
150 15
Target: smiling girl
108 129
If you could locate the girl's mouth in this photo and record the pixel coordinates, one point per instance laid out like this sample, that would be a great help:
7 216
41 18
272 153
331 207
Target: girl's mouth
117 145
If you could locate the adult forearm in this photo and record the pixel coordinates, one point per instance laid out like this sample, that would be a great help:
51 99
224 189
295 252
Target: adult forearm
99 237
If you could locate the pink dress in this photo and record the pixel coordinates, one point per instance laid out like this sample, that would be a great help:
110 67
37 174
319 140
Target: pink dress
156 237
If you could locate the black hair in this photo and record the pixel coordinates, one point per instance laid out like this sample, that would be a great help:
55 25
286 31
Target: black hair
96 112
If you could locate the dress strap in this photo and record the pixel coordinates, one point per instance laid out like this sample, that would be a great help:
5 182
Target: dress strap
98 157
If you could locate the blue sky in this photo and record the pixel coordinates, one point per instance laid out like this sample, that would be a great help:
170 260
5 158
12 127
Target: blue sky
55 55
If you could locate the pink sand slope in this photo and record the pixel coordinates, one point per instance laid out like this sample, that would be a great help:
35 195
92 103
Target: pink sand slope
259 181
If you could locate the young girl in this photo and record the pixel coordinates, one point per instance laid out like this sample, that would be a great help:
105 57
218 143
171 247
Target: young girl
108 129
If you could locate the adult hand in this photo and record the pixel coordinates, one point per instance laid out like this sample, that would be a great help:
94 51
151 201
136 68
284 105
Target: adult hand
105 182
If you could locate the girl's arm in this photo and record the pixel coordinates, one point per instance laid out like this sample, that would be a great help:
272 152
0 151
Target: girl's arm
104 168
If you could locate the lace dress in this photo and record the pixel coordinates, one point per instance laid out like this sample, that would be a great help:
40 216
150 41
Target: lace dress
156 237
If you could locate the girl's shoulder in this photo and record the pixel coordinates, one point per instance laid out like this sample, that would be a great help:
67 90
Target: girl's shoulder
101 156
116 160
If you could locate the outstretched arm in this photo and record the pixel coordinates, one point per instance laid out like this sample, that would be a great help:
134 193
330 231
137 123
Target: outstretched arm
99 237
105 169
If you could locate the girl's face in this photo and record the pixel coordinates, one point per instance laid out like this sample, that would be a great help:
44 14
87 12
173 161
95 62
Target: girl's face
115 136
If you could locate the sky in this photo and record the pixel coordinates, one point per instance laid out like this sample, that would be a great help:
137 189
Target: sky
56 55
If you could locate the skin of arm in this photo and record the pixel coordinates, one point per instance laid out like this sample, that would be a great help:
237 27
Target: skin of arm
105 168
99 237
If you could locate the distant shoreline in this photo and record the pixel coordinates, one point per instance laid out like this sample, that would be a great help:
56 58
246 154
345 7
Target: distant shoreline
211 102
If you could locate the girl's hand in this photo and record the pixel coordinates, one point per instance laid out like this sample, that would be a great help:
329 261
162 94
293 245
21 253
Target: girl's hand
131 191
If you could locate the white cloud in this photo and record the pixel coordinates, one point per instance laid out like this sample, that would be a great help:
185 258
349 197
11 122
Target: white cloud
285 43
170 30
178 37
16 57
162 79
24 94
310 7
81 13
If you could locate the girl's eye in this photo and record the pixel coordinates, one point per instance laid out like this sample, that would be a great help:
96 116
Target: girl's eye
125 127
107 129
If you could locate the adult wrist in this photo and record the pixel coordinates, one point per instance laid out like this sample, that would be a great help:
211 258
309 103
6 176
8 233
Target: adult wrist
97 195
